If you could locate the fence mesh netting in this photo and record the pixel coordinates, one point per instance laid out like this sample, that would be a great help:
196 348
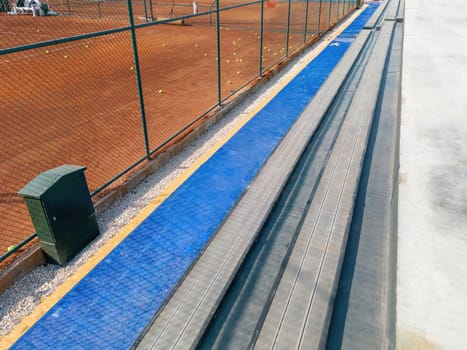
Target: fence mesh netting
104 84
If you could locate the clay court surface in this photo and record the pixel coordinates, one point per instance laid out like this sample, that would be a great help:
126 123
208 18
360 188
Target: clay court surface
77 102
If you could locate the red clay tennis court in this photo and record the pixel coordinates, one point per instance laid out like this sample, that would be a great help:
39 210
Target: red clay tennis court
76 101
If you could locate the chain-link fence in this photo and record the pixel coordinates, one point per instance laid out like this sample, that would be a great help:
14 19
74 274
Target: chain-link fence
106 84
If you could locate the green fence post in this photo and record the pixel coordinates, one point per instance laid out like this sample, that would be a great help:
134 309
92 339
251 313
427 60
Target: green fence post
306 22
261 32
288 30
218 43
319 17
145 11
138 78
150 10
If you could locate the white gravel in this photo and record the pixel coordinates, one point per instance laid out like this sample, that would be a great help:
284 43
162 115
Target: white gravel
21 299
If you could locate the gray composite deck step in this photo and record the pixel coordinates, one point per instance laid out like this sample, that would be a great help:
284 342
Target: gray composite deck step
300 311
391 10
375 17
365 301
182 321
401 11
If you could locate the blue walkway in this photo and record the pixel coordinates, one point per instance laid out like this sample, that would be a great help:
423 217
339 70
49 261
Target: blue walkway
109 308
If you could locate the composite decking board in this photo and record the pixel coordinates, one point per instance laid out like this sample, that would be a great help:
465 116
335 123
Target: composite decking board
184 318
391 10
243 308
371 23
401 11
365 300
300 311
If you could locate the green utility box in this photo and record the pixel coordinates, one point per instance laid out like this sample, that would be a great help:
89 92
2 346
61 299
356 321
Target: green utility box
62 212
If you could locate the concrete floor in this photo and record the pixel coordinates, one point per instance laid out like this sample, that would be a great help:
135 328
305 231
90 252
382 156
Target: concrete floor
432 235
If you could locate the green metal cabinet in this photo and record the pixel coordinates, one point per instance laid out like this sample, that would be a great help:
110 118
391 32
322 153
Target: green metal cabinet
62 212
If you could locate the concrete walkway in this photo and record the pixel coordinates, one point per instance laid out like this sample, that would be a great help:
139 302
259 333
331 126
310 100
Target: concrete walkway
432 237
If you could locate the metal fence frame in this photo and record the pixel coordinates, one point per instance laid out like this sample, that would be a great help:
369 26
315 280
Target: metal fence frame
214 9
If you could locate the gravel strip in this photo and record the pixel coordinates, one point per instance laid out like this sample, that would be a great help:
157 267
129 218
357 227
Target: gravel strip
21 299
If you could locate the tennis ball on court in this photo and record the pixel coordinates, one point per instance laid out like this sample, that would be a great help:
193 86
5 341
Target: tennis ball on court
228 61
38 30
234 42
47 51
275 53
290 47
11 248
265 47
256 33
196 45
86 46
239 39
240 60
132 68
235 54
291 37
161 91
66 56
229 82
205 54
238 72
163 45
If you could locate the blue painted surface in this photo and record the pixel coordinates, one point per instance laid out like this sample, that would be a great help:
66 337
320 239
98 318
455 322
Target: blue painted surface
110 307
